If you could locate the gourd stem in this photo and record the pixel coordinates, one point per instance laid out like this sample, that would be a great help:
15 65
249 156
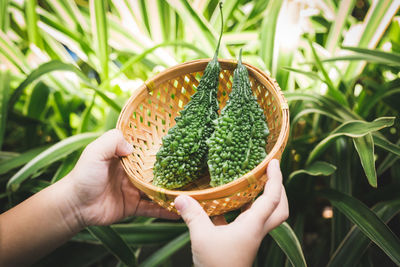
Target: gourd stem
220 35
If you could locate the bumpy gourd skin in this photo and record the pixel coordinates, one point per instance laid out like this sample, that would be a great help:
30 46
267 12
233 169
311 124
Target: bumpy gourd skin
238 142
183 155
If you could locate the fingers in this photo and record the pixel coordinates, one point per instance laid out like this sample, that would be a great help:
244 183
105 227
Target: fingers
109 145
150 209
192 213
265 205
280 214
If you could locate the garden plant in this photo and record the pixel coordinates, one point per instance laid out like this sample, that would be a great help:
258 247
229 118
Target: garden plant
68 66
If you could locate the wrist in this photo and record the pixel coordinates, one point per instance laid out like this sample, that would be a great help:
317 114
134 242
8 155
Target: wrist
67 205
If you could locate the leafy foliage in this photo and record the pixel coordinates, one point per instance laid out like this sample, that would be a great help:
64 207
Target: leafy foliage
66 68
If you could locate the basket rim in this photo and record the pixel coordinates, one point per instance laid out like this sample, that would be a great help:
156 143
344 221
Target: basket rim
248 178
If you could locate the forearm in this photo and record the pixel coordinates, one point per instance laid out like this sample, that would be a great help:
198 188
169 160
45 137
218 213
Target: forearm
38 225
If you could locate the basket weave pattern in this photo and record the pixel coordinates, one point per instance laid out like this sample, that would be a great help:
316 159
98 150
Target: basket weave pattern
151 110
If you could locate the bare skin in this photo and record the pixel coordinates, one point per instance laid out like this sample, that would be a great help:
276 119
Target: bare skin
98 192
220 244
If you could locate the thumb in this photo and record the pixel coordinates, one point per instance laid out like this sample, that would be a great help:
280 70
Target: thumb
112 143
192 213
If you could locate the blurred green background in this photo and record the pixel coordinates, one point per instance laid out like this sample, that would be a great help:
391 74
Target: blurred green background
67 67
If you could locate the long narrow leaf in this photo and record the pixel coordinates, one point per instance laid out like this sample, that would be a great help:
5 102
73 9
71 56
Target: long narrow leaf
365 149
7 165
204 32
362 58
138 234
50 155
351 129
324 102
345 7
391 57
267 33
99 29
288 242
382 142
4 19
332 90
389 160
32 23
4 95
57 66
317 168
342 182
165 252
114 243
367 221
376 21
141 56
356 243
310 74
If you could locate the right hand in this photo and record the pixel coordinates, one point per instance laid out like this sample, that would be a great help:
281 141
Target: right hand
235 244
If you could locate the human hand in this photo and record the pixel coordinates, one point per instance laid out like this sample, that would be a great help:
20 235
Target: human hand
235 244
101 191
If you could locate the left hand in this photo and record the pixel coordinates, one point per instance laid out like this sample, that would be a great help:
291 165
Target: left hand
101 191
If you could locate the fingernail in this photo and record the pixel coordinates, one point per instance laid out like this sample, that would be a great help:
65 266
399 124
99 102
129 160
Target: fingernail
181 202
275 162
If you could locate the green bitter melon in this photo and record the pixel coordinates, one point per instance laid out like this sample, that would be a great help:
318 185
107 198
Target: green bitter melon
239 140
183 155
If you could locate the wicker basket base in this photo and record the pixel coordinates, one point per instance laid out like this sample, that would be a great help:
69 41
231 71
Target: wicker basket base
151 110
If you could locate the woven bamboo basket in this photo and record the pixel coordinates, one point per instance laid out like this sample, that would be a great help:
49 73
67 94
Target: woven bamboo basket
150 112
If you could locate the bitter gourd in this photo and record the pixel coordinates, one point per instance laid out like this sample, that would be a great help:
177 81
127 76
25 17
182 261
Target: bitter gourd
183 155
238 142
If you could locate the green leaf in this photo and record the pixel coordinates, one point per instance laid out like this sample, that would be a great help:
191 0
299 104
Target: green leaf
351 129
379 16
4 19
4 95
267 33
57 66
392 57
317 110
166 251
100 32
288 242
21 159
66 166
332 90
199 25
382 142
323 102
138 234
143 55
114 243
50 155
317 168
32 23
356 243
341 181
367 58
12 53
310 74
335 32
367 221
390 158
74 254
38 100
365 149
